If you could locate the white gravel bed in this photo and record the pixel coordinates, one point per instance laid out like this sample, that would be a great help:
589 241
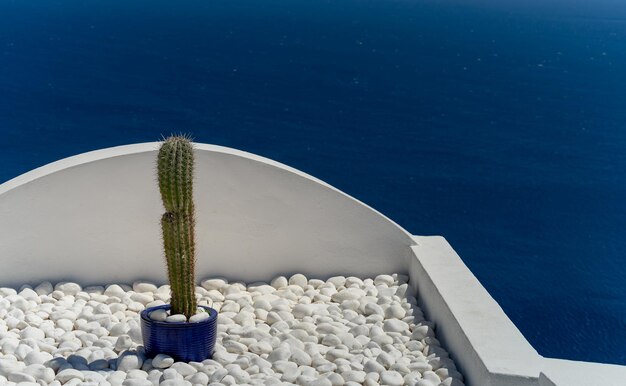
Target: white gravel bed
343 331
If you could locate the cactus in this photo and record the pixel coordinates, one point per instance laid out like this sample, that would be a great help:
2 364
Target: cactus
175 171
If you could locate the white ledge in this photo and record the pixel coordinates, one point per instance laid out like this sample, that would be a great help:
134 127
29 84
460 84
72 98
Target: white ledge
485 344
490 349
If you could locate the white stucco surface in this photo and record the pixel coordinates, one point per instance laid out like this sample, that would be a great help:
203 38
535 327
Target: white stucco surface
490 349
559 372
94 219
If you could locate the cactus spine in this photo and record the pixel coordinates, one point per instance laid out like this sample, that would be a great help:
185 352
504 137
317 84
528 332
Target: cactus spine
175 170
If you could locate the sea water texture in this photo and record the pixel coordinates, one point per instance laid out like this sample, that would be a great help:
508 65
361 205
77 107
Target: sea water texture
498 124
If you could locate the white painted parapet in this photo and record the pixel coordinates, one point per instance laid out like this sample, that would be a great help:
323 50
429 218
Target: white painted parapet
485 344
489 348
94 219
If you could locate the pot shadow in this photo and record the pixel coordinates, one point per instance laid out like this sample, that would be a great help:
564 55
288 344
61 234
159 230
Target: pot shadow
127 360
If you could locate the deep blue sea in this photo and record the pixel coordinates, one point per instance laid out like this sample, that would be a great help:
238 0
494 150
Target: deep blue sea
500 125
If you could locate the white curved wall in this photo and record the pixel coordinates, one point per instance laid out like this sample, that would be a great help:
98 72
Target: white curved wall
94 219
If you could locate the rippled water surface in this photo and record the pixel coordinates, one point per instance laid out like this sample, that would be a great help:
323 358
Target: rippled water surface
500 125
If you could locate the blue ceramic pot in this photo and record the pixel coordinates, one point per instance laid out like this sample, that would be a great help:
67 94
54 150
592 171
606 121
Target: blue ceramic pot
182 341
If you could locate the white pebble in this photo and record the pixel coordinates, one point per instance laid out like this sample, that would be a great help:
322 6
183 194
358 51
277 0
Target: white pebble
337 281
302 310
183 368
235 347
20 377
40 372
385 359
123 342
136 382
44 288
391 378
32 333
239 375
372 308
176 318
129 362
354 376
29 294
141 297
280 354
214 284
348 294
395 325
115 290
37 357
199 317
421 332
162 361
144 287
159 315
279 282
395 311
199 379
300 357
298 280
68 288
66 375
384 280
5 291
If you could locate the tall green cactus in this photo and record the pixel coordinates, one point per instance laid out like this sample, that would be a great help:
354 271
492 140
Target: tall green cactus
175 169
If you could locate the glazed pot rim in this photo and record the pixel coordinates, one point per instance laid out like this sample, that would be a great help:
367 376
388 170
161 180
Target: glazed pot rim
145 316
